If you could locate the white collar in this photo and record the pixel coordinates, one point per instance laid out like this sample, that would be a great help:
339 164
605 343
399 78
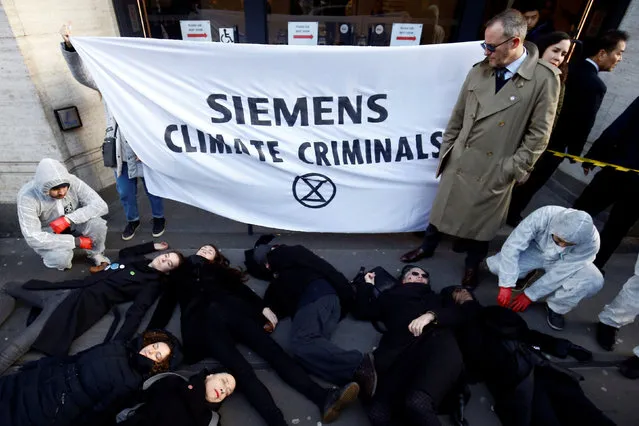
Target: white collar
593 63
514 66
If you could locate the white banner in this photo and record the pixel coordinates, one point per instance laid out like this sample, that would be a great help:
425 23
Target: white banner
328 139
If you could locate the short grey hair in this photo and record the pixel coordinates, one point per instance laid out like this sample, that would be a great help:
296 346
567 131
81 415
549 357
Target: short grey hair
513 22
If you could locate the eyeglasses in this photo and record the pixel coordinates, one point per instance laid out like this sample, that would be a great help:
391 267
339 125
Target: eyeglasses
417 274
492 47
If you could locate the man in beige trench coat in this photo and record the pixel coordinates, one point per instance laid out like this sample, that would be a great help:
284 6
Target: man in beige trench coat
499 127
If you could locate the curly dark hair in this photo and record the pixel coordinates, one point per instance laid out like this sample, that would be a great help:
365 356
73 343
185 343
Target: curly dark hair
150 337
235 273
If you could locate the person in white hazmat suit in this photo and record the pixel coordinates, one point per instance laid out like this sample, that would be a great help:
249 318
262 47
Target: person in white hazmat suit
621 311
58 212
561 241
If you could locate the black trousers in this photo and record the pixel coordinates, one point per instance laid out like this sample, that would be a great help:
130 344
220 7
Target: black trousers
476 251
619 189
412 389
221 333
522 194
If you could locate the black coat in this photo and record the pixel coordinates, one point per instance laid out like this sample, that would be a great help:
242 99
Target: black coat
619 143
582 99
294 268
74 390
397 308
94 296
173 401
196 286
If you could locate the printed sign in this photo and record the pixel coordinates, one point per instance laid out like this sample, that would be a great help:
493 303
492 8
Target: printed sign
196 30
302 33
227 35
406 34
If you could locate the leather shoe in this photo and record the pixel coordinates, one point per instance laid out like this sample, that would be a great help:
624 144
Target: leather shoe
337 399
415 255
471 278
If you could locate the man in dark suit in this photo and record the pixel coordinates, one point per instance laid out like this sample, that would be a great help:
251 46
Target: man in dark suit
617 145
582 99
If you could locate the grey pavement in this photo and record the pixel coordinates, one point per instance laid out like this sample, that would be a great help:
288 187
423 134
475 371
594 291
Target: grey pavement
188 228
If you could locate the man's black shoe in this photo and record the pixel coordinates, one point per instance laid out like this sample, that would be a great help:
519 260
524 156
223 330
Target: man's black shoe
471 278
415 255
366 377
337 400
606 336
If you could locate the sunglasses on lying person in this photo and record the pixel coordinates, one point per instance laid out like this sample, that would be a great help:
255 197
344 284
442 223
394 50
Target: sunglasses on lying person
492 47
417 274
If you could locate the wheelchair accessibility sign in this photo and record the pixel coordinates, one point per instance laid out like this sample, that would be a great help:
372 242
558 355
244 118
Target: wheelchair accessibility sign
227 35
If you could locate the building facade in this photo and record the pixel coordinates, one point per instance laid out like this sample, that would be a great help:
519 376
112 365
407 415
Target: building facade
35 80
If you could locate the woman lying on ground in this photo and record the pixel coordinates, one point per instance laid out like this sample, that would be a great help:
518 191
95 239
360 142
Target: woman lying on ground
86 388
171 399
218 311
418 361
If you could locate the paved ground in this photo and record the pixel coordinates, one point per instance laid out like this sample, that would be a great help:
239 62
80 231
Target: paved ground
188 228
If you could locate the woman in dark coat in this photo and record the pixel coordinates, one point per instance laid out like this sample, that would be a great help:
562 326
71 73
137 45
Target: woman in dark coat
218 311
418 361
85 388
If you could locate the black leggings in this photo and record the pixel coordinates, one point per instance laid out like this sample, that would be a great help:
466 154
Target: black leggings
221 336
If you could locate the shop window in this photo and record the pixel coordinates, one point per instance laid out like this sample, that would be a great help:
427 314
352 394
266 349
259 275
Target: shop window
363 22
163 18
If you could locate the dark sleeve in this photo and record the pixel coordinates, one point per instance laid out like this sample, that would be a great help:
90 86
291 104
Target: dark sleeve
46 285
548 344
275 301
582 112
130 253
622 130
248 295
449 316
367 305
164 310
302 256
136 311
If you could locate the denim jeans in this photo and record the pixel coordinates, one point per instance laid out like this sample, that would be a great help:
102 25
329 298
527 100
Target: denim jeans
128 190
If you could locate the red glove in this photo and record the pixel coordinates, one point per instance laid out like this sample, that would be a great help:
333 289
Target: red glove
520 303
59 225
84 243
503 298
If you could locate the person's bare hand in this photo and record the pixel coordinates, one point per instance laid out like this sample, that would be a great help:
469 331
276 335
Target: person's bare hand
270 315
370 278
65 32
417 325
161 246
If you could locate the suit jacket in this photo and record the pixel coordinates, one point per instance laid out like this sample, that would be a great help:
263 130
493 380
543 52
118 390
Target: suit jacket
491 141
582 99
618 144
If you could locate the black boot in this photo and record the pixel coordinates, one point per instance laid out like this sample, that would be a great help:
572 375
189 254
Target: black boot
630 368
366 377
337 399
606 336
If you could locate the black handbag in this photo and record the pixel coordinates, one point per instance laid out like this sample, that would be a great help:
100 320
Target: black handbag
109 147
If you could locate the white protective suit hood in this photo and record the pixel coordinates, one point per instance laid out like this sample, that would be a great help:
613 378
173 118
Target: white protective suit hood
573 226
50 173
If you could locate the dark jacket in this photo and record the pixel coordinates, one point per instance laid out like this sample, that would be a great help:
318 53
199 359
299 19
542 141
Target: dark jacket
582 99
173 401
619 143
95 295
196 286
397 308
73 390
294 268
